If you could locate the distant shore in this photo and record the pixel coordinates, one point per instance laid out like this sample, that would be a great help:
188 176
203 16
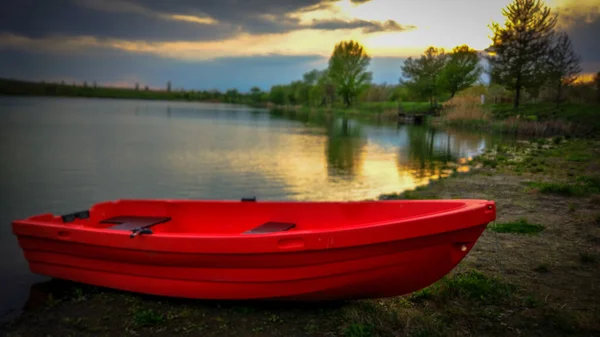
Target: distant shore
27 88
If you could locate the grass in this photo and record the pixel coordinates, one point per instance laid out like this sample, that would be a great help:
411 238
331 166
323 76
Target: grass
578 157
587 258
489 162
530 119
147 317
477 287
521 226
542 268
472 284
582 186
564 189
358 330
387 110
381 107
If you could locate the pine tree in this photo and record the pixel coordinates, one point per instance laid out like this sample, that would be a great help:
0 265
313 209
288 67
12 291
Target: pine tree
563 64
520 48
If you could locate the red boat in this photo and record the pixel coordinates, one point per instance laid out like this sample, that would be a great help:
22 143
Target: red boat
256 250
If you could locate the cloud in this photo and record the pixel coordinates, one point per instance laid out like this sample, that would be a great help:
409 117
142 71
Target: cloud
182 20
151 20
367 26
297 42
36 19
581 20
123 6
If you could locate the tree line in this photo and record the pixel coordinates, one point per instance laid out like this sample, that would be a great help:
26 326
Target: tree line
527 53
17 87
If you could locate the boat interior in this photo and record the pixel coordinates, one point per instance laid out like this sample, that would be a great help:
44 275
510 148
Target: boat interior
247 217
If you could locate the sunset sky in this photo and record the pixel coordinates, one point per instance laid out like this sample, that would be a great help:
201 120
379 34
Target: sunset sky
224 44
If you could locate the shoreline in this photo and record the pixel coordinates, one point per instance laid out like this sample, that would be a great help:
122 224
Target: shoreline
532 271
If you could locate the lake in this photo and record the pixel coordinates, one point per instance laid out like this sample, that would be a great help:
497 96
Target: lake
63 154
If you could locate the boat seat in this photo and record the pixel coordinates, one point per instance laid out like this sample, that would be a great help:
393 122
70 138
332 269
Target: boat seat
128 223
271 227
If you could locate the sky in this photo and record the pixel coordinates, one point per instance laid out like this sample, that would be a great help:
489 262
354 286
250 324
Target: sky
222 44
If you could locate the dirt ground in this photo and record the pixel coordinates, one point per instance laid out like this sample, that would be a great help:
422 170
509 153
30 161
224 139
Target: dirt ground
543 283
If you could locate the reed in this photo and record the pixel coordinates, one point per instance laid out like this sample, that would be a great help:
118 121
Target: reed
465 108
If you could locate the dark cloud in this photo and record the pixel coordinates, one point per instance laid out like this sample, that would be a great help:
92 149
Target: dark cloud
152 20
367 26
585 42
148 19
36 19
583 28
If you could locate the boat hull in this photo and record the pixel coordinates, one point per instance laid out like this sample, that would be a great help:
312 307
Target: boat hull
374 261
374 271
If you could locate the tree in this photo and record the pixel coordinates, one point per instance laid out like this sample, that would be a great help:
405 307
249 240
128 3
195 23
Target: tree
327 88
232 96
311 77
277 95
563 64
255 94
423 74
137 86
462 69
348 70
520 48
597 83
169 86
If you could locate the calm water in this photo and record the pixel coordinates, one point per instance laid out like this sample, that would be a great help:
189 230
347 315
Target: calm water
61 155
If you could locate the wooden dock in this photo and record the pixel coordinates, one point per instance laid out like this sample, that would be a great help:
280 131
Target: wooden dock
411 118
415 117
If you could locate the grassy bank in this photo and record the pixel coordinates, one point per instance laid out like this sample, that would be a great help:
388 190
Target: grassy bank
534 272
381 110
531 119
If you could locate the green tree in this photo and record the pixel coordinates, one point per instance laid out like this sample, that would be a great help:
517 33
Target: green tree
294 92
521 47
169 86
232 96
311 77
327 88
462 69
597 84
563 64
277 95
423 74
256 94
348 70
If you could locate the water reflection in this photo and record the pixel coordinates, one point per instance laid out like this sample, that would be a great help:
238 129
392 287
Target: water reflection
429 151
344 147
